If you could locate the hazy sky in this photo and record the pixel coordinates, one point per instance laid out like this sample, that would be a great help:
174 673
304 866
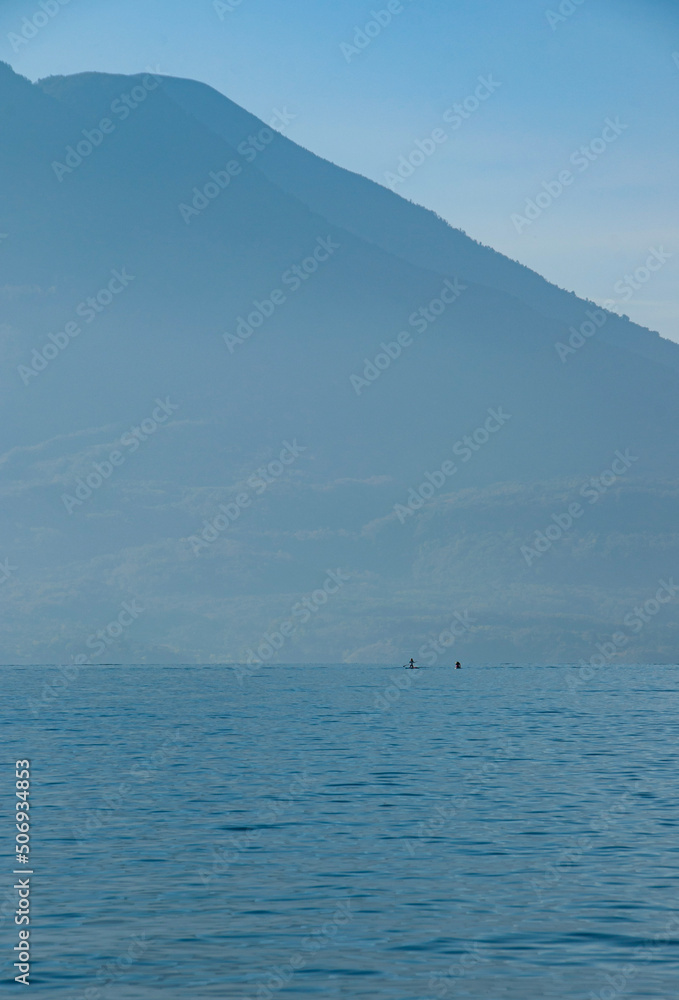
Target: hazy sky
553 87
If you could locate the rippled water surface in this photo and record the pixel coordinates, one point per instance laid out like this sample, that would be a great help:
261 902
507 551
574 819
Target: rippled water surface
494 832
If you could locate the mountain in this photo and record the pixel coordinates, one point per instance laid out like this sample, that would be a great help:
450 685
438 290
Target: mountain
204 321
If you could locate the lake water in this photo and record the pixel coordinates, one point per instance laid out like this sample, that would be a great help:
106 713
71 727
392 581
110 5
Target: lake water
491 832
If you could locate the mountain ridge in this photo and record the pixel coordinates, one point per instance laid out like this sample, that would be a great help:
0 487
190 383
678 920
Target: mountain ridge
290 379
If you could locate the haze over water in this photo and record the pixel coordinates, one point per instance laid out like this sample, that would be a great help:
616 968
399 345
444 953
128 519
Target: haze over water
489 835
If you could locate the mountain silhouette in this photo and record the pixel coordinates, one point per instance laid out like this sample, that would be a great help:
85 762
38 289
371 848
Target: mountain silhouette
232 368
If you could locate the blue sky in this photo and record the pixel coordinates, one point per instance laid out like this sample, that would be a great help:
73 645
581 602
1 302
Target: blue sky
554 87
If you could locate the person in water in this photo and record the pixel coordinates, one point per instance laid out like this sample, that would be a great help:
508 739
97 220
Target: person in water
412 664
458 665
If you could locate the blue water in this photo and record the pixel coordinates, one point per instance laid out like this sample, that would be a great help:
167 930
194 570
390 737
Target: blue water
317 831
